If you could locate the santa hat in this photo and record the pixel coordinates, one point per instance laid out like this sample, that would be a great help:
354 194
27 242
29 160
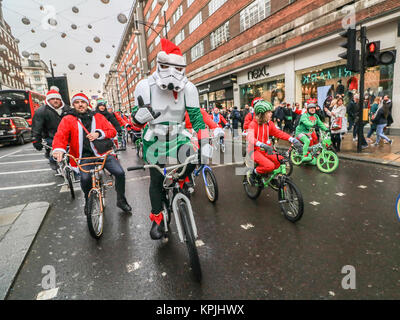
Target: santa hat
170 54
255 100
80 96
53 94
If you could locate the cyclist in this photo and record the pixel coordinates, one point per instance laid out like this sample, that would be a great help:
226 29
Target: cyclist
250 116
70 131
45 122
163 98
305 130
120 120
102 109
219 118
260 132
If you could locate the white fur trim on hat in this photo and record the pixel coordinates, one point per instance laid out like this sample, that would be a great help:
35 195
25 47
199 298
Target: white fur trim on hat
171 59
79 97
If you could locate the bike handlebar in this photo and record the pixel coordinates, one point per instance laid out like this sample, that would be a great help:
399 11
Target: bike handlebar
100 164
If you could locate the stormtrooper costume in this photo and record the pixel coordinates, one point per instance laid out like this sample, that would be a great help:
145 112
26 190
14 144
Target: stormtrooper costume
161 103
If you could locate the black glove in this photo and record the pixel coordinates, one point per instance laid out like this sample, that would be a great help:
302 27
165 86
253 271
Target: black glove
267 148
128 126
37 145
145 113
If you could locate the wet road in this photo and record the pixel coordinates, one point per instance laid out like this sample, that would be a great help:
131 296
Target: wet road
248 249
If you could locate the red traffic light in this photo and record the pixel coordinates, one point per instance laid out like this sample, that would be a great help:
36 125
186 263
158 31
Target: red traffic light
372 47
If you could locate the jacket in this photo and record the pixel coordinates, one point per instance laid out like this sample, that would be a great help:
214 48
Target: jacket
111 118
45 122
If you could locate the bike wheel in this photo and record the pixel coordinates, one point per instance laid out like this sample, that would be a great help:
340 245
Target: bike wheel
69 175
288 163
140 152
327 161
190 240
295 157
290 200
95 216
211 185
253 192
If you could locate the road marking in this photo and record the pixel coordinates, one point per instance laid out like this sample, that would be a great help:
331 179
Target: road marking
66 189
47 294
340 194
9 154
379 181
25 171
28 154
25 161
362 187
28 186
394 175
133 266
314 203
247 226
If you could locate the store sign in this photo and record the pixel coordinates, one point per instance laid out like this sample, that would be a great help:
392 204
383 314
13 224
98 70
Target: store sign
327 74
258 73
204 90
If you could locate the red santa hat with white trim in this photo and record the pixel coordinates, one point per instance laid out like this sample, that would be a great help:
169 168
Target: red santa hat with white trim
80 96
170 54
53 94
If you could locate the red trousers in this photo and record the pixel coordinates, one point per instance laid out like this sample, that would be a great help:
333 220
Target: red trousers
266 163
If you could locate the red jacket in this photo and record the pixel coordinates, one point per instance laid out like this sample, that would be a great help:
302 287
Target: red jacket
120 120
206 118
70 132
247 120
222 121
262 133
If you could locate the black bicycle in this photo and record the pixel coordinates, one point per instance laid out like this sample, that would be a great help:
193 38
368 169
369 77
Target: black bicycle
176 203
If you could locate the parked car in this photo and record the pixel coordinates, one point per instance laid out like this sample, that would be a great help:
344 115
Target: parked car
14 130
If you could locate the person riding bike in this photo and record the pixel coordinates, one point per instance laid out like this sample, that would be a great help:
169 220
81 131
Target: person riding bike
260 132
162 100
45 122
250 116
122 123
101 108
71 132
305 130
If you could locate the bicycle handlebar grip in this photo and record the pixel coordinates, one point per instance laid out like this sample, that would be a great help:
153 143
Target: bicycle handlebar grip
135 168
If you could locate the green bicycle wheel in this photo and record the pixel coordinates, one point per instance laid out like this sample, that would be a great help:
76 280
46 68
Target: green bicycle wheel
295 157
327 161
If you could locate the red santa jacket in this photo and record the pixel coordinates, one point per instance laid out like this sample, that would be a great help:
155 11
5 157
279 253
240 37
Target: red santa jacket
262 133
247 120
222 121
120 120
70 132
206 118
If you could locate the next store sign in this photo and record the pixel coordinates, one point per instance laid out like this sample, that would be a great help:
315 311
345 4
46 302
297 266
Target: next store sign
327 74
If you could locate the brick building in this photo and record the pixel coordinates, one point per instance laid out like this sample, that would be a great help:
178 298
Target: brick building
11 75
282 50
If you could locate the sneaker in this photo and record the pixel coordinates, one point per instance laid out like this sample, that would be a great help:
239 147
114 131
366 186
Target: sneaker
355 139
252 178
391 142
365 146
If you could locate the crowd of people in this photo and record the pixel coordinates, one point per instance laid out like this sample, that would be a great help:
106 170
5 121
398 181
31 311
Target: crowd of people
340 113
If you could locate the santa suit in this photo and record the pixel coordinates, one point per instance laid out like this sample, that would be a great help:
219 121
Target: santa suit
263 133
219 119
70 132
247 120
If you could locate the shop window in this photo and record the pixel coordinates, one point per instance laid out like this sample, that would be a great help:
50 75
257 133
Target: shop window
254 13
272 90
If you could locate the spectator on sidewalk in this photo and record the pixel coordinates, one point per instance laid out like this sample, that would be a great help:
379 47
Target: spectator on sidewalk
372 112
364 143
338 124
380 119
351 107
387 102
279 115
236 118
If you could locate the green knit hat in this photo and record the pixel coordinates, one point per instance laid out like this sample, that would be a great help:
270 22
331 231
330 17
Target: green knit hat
101 102
263 106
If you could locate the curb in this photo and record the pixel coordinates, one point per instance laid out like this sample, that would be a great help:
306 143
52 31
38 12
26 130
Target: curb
17 241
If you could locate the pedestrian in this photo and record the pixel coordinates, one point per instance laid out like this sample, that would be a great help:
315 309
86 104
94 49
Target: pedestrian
351 114
387 102
338 124
236 118
374 108
364 143
279 115
380 119
245 112
289 115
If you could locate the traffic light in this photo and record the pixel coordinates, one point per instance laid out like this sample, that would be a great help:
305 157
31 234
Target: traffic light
375 57
351 55
372 54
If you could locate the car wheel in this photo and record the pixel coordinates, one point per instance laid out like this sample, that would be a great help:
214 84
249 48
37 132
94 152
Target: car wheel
21 140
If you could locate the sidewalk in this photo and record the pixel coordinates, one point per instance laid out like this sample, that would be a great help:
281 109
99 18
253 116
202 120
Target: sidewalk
18 228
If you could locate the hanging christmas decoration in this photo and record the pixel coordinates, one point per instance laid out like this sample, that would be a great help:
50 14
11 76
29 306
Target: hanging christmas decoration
96 76
108 56
75 10
102 65
43 45
33 30
71 66
25 20
63 35
89 49
122 18
89 26
96 39
105 1
25 54
73 26
52 22
17 41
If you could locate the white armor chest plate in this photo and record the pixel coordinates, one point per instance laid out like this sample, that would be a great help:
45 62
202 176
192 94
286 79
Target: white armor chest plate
163 101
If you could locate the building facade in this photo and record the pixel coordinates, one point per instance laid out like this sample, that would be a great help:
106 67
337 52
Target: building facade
282 50
36 73
11 75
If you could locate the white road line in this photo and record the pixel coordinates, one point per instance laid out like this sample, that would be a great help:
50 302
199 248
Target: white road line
25 171
25 161
28 154
28 186
10 154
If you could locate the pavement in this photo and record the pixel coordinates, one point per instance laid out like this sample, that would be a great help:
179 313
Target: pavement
18 228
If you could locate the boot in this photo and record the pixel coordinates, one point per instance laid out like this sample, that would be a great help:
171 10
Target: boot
157 228
123 204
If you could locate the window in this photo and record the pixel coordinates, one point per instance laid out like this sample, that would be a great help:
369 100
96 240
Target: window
197 51
165 6
157 40
180 37
151 47
195 22
254 13
152 64
214 5
153 5
177 14
37 79
220 35
149 32
189 3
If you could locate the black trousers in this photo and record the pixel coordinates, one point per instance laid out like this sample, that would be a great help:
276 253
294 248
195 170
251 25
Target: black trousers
114 167
156 187
336 140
